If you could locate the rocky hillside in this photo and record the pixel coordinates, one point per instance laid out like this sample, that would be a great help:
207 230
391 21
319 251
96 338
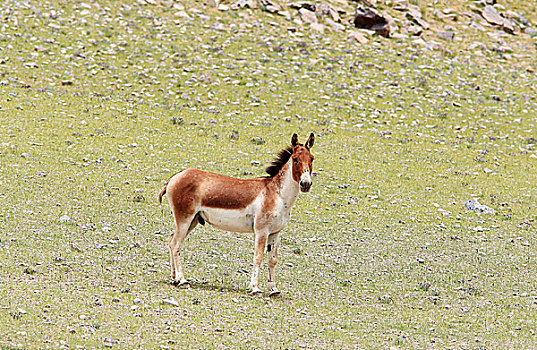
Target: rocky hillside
482 29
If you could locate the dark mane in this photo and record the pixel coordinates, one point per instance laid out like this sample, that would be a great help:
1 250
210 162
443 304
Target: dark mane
279 161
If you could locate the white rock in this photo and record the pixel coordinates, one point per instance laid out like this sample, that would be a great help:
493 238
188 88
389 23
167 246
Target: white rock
474 205
170 301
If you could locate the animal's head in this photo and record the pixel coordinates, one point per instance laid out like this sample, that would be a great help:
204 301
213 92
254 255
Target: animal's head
302 160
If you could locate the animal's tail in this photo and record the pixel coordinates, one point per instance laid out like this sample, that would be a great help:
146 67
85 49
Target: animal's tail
163 191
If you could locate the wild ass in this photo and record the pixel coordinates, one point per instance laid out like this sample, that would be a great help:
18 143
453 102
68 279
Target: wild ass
261 206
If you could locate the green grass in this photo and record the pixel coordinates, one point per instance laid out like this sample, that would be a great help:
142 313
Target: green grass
381 253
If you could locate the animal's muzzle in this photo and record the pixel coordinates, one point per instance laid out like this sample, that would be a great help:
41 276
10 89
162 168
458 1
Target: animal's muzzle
305 181
305 186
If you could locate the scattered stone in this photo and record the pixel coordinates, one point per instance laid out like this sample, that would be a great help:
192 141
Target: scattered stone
108 341
447 35
170 301
491 16
344 3
308 5
318 27
400 5
474 205
433 45
338 27
359 37
530 31
308 16
258 140
213 3
252 4
65 218
414 30
285 14
270 6
509 26
327 10
367 18
414 14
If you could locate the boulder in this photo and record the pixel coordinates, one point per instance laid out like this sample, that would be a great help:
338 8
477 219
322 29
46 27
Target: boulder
367 18
490 15
308 16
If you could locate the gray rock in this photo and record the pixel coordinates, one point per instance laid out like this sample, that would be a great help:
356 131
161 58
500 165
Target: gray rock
318 27
327 10
359 37
270 6
308 16
414 30
308 5
338 27
530 31
414 15
400 5
474 205
477 26
367 18
509 26
244 3
491 16
447 35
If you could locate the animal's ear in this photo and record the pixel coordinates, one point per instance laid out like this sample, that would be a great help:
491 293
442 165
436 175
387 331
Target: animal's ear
294 140
311 140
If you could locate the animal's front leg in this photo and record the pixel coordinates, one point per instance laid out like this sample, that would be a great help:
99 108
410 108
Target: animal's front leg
272 252
260 243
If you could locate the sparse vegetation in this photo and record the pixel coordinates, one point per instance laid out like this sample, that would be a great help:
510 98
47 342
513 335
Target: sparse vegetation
100 102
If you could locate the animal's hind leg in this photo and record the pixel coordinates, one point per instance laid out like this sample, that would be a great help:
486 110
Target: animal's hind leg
175 243
272 252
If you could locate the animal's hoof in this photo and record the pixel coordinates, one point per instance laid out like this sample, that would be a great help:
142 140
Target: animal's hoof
182 283
256 291
274 293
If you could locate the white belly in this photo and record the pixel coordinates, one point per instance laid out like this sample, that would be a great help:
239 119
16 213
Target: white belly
244 220
234 220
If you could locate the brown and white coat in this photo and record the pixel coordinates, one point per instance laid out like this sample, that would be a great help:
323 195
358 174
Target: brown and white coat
261 205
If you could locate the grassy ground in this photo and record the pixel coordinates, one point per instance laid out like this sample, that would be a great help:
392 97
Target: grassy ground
100 104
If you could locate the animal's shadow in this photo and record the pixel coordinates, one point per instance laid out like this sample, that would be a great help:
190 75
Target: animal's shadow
215 287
